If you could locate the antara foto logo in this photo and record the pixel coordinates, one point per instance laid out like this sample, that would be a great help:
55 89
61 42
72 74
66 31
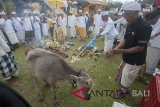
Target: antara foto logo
79 93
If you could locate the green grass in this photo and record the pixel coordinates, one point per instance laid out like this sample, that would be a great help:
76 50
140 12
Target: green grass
100 74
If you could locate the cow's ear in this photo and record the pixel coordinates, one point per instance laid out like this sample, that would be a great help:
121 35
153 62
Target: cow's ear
75 78
28 49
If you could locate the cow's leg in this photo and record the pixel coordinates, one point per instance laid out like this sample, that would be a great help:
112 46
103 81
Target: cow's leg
53 90
38 91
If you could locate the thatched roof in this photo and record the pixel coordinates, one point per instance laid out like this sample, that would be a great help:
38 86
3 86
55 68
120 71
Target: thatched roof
97 2
91 2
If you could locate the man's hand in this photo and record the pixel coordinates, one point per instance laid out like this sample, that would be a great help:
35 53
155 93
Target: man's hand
117 51
110 53
101 30
98 36
114 52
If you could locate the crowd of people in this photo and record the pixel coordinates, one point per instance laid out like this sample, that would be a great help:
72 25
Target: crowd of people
33 28
136 33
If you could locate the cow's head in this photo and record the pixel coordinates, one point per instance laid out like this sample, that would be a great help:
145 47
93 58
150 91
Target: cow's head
28 49
83 80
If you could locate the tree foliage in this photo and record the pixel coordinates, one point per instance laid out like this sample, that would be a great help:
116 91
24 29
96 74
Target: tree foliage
7 6
16 5
114 4
145 1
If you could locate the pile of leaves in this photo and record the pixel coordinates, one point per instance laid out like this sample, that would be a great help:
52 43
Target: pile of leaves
91 53
55 45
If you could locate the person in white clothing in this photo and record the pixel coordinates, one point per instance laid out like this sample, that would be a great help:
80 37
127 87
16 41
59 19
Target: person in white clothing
44 27
37 28
2 18
81 24
10 33
97 23
77 32
16 21
2 21
109 32
28 27
63 25
72 24
121 25
88 23
8 65
59 18
153 51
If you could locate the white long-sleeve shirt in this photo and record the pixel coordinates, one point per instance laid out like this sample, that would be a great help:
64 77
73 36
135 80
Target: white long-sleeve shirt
3 45
2 53
8 26
97 20
2 21
110 31
27 24
121 23
81 22
63 22
9 30
59 20
72 21
17 23
36 21
156 41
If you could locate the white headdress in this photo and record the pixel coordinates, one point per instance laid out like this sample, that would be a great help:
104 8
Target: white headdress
13 12
25 11
104 13
2 13
134 6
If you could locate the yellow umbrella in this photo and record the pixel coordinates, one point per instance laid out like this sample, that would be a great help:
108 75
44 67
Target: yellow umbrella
56 2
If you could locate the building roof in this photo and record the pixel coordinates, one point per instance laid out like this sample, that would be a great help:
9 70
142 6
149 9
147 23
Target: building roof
93 2
97 2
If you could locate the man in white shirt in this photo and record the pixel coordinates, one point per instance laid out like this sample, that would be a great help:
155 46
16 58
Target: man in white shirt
28 27
81 23
59 17
121 25
45 28
97 23
63 24
72 24
88 24
109 32
10 32
8 65
37 29
16 21
153 51
2 18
